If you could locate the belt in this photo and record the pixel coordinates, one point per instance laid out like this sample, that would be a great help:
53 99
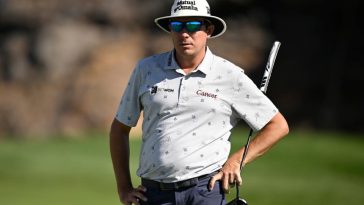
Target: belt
175 185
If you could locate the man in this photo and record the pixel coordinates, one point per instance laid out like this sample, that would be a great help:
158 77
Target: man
191 99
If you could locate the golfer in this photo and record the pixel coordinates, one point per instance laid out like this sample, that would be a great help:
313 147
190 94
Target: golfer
191 99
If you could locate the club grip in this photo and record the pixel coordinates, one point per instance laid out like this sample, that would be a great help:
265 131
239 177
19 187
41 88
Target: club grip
269 67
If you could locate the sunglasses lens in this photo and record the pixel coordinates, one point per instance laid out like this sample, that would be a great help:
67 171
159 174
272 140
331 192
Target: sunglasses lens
193 26
176 26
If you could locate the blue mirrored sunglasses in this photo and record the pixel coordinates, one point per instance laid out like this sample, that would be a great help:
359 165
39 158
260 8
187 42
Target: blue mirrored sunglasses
191 26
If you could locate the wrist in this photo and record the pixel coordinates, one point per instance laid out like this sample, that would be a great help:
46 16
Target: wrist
124 188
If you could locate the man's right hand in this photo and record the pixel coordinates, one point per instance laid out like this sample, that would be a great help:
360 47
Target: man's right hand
133 196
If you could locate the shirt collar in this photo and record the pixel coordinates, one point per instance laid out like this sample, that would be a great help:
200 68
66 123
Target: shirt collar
204 67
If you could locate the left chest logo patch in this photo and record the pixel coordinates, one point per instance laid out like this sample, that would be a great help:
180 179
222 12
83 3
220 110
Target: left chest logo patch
156 89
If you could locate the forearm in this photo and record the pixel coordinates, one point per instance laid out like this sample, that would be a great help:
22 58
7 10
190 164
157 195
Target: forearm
119 149
265 139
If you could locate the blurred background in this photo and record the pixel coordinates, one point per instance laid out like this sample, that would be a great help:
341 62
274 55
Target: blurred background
64 66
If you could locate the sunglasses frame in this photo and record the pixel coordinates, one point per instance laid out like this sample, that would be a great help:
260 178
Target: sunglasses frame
184 25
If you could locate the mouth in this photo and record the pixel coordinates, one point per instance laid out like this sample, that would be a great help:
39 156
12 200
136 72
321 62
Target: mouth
183 44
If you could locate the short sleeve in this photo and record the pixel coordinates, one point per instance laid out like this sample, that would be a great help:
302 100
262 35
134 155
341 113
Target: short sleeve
130 107
251 104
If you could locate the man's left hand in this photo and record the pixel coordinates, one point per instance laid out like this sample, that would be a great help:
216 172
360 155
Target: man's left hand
229 175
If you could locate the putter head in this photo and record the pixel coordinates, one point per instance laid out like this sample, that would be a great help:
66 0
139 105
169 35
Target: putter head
239 201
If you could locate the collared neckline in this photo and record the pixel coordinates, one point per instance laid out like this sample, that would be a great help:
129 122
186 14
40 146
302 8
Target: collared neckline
204 67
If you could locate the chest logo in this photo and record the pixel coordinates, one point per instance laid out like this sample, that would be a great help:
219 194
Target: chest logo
206 94
155 89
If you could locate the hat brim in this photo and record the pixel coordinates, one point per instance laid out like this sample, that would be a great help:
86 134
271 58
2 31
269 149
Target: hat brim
219 24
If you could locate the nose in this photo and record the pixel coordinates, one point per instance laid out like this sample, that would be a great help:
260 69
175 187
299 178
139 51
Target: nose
184 33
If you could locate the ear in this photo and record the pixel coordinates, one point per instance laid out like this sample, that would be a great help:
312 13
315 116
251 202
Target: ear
210 30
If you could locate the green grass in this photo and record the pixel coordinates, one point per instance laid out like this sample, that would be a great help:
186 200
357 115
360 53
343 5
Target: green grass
304 168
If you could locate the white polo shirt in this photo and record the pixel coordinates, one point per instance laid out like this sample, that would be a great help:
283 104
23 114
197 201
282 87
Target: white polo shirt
188 118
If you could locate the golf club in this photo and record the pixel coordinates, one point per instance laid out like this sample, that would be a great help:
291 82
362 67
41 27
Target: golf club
263 87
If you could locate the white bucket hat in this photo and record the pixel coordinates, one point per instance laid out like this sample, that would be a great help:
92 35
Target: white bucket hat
192 8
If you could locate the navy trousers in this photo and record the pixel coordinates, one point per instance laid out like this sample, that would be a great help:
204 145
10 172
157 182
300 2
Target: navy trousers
195 195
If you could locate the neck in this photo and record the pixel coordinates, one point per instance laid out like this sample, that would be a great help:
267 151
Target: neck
189 62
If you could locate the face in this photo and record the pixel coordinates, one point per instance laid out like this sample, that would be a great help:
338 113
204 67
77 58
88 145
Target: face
191 44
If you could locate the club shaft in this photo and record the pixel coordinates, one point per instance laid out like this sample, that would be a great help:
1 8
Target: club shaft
263 87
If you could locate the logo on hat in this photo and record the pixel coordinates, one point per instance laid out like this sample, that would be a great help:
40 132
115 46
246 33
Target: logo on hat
186 5
208 10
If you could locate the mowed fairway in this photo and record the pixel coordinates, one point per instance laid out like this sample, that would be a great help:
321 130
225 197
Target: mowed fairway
305 168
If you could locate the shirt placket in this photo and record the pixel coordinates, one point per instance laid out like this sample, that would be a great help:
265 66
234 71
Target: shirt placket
183 97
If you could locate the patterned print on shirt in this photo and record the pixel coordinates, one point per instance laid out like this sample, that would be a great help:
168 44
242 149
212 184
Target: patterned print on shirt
257 115
218 77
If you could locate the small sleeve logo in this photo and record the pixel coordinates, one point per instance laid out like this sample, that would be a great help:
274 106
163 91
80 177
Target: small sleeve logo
154 90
